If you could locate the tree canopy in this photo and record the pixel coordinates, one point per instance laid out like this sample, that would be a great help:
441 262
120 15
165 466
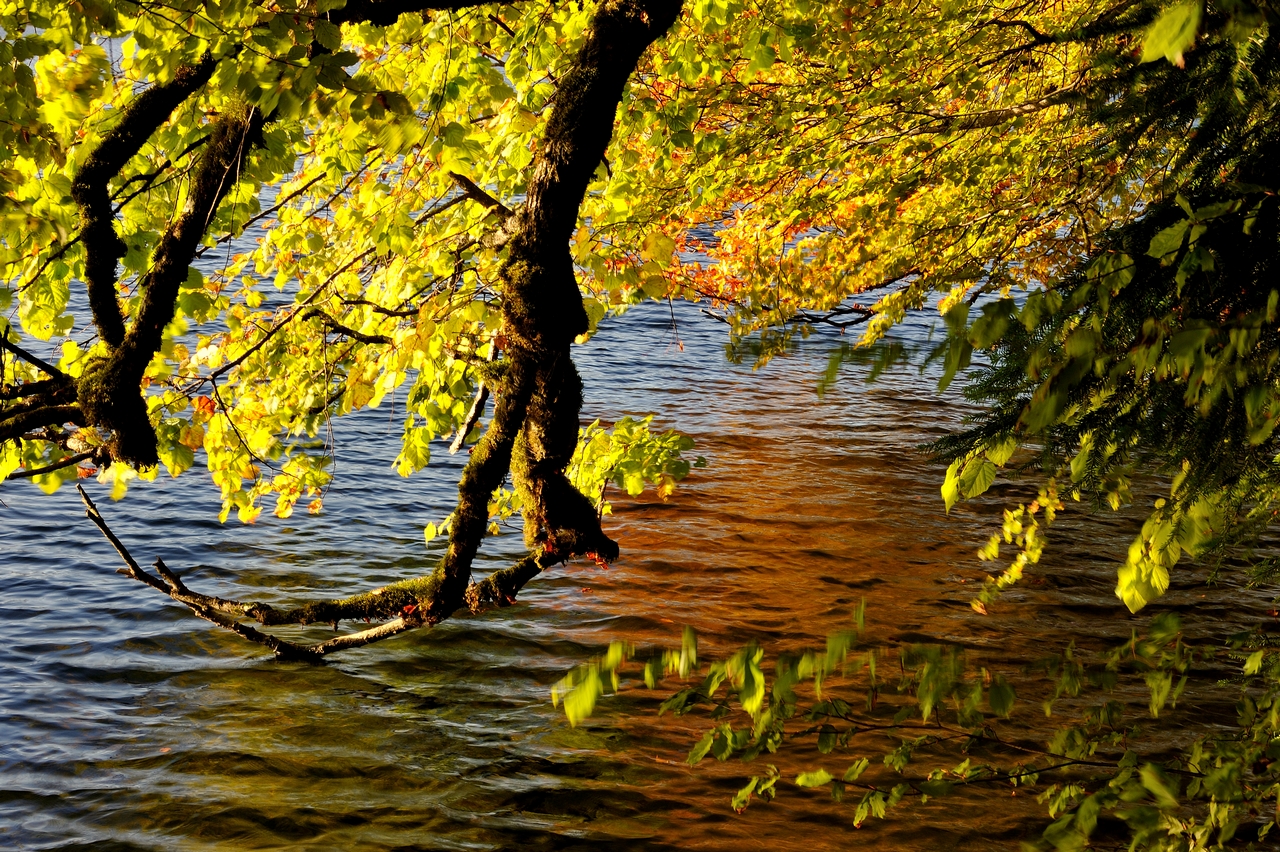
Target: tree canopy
398 162
446 195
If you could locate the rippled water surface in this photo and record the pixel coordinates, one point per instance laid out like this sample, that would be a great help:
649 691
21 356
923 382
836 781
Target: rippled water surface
127 724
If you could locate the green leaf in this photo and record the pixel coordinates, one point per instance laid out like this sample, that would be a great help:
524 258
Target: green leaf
1254 664
328 34
1168 241
951 485
751 694
855 771
1139 584
993 323
742 798
176 457
977 476
1172 33
657 247
700 750
1001 697
679 703
826 739
1000 452
1087 815
817 778
762 59
1113 270
959 352
1159 786
579 703
936 788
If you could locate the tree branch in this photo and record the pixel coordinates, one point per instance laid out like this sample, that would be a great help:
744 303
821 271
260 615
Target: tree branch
110 388
534 429
103 247
477 409
342 329
224 613
990 118
386 12
26 390
50 468
535 421
835 317
48 368
16 425
473 191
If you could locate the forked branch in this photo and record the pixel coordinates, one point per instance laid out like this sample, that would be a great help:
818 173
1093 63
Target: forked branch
404 606
226 613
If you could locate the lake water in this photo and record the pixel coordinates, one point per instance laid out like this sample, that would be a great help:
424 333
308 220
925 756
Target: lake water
128 724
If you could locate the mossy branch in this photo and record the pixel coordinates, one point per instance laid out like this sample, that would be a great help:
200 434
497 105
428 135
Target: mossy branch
109 390
16 425
225 613
103 246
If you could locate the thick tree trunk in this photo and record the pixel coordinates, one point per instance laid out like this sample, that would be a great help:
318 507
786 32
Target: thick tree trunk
540 396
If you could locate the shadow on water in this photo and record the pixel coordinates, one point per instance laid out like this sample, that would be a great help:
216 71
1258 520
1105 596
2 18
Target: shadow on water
126 724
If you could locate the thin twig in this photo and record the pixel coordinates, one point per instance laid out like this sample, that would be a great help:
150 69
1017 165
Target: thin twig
342 329
477 409
134 570
273 209
149 178
48 260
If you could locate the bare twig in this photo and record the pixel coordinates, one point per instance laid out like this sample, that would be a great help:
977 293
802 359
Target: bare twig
48 260
477 409
210 609
133 570
842 317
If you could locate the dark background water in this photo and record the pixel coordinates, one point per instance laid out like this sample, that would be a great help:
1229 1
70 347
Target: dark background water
128 724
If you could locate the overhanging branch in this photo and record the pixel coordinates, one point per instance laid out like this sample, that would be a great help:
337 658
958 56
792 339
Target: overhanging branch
534 428
225 613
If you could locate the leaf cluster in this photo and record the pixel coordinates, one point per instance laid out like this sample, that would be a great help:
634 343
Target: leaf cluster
946 726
